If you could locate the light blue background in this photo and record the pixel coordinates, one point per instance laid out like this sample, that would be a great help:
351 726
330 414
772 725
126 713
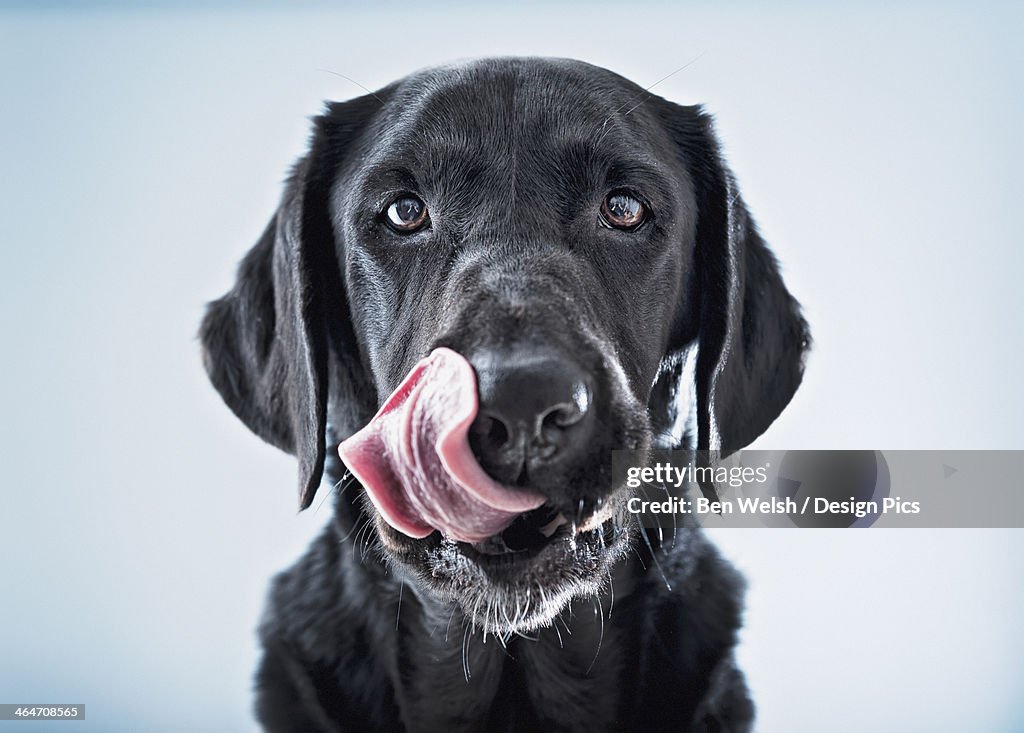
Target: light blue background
879 147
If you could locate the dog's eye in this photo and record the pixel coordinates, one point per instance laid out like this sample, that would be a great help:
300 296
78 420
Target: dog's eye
620 210
406 214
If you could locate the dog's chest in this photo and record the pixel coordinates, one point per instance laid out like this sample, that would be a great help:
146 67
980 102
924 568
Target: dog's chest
565 680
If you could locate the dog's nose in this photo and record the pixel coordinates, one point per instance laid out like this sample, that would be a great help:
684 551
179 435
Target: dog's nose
533 411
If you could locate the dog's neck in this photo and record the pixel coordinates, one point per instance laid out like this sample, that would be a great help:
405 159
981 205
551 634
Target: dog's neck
448 675
437 656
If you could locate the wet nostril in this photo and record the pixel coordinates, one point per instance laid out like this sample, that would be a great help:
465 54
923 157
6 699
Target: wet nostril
567 414
489 430
530 410
498 448
561 416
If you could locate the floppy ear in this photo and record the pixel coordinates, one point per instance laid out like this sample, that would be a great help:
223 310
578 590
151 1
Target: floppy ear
266 342
750 335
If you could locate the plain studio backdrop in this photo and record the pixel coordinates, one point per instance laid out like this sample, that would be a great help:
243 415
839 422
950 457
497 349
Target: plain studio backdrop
878 145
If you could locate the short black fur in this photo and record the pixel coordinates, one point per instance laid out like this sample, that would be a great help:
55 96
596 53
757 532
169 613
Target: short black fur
607 629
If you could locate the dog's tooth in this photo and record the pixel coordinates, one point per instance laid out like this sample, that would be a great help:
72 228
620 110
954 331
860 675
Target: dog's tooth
551 527
580 508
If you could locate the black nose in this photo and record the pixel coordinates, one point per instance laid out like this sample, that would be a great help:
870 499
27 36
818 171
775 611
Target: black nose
534 411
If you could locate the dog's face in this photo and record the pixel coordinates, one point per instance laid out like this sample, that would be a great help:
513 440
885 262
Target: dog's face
574 239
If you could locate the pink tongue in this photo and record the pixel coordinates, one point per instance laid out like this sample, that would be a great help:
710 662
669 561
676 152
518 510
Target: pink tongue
415 462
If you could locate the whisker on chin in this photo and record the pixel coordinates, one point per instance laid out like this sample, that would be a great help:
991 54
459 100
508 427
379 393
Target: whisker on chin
599 610
455 607
465 653
611 591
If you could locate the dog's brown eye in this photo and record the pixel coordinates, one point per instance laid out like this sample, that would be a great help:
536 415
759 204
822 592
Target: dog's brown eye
622 211
406 214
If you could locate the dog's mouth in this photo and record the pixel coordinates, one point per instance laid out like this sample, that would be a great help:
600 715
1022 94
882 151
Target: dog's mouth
532 533
528 533
518 580
415 463
440 511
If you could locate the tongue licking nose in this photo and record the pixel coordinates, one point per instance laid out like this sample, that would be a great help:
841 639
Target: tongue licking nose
415 463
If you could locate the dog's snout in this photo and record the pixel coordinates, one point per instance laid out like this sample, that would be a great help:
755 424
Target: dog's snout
532 412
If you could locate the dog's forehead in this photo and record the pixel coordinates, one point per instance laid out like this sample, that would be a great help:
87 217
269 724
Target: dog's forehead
517 105
525 89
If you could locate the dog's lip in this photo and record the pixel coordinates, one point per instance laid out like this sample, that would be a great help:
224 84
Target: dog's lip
558 528
560 547
497 544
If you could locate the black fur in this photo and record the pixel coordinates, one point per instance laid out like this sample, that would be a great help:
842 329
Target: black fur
372 630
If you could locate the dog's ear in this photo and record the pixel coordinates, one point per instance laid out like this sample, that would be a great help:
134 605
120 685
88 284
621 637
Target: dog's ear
266 343
749 334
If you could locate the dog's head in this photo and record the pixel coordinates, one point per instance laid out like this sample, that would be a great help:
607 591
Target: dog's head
574 258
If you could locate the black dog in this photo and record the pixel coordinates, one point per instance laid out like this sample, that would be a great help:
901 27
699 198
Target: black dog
576 246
